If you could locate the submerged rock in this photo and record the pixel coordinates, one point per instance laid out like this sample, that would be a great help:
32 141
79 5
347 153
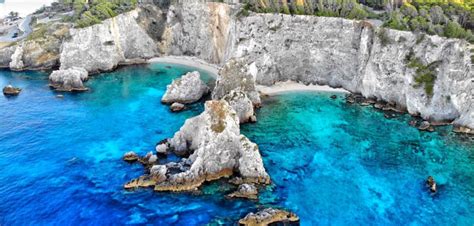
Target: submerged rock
431 183
9 90
248 191
237 75
216 149
187 89
176 107
426 126
270 216
69 80
130 156
239 101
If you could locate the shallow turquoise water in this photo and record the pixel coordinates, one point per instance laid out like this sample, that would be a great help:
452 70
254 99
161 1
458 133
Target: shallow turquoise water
331 163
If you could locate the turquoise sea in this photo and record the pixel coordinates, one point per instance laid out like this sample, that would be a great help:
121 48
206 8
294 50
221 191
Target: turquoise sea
330 162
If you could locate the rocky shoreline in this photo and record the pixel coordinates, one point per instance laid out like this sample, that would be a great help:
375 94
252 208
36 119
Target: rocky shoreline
343 54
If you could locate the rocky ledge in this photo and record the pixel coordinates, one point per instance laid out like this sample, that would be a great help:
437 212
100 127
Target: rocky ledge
214 149
270 216
187 89
69 79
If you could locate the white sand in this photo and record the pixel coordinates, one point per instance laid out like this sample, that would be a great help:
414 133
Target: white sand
188 61
279 87
290 86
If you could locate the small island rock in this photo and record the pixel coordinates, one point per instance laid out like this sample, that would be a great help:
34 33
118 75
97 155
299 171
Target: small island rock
187 89
69 80
9 90
248 191
270 216
130 156
176 107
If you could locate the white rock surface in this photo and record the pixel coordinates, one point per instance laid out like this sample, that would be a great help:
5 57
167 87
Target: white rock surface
103 46
216 148
17 59
187 89
69 80
242 105
239 76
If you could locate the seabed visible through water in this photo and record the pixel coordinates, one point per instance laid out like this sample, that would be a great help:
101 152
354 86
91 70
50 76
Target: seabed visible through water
330 162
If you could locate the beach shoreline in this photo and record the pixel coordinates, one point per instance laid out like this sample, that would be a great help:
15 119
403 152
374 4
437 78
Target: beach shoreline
291 86
188 61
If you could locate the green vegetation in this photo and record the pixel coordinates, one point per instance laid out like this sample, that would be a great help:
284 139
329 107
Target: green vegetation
425 73
448 18
90 12
383 36
452 19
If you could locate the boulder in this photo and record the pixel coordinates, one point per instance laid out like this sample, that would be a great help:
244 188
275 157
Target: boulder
130 156
176 107
431 183
9 90
426 126
239 76
158 173
270 216
187 89
240 102
162 147
69 80
248 191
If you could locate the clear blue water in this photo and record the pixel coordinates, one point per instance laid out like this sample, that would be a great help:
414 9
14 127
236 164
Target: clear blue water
331 163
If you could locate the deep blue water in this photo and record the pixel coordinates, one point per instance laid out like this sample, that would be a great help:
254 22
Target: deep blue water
331 163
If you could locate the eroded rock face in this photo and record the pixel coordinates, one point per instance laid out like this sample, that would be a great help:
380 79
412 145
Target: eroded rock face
16 62
360 58
240 102
216 149
187 89
102 47
69 80
239 76
269 216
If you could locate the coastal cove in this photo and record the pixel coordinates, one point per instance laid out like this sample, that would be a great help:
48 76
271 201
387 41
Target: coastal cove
61 157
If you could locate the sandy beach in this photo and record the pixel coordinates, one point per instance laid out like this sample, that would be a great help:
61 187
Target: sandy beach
290 86
188 61
277 88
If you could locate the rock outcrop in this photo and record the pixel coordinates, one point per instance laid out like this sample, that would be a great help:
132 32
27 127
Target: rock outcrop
239 76
104 46
16 62
9 90
187 89
248 191
270 216
360 58
68 80
216 149
240 102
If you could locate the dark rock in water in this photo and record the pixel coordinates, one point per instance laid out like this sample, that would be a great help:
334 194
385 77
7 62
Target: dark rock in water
412 123
350 99
130 156
176 107
463 129
248 191
333 97
426 126
389 115
270 216
379 105
431 183
9 90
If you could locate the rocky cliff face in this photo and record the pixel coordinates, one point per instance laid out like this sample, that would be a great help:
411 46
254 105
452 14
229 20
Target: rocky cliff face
360 58
103 46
